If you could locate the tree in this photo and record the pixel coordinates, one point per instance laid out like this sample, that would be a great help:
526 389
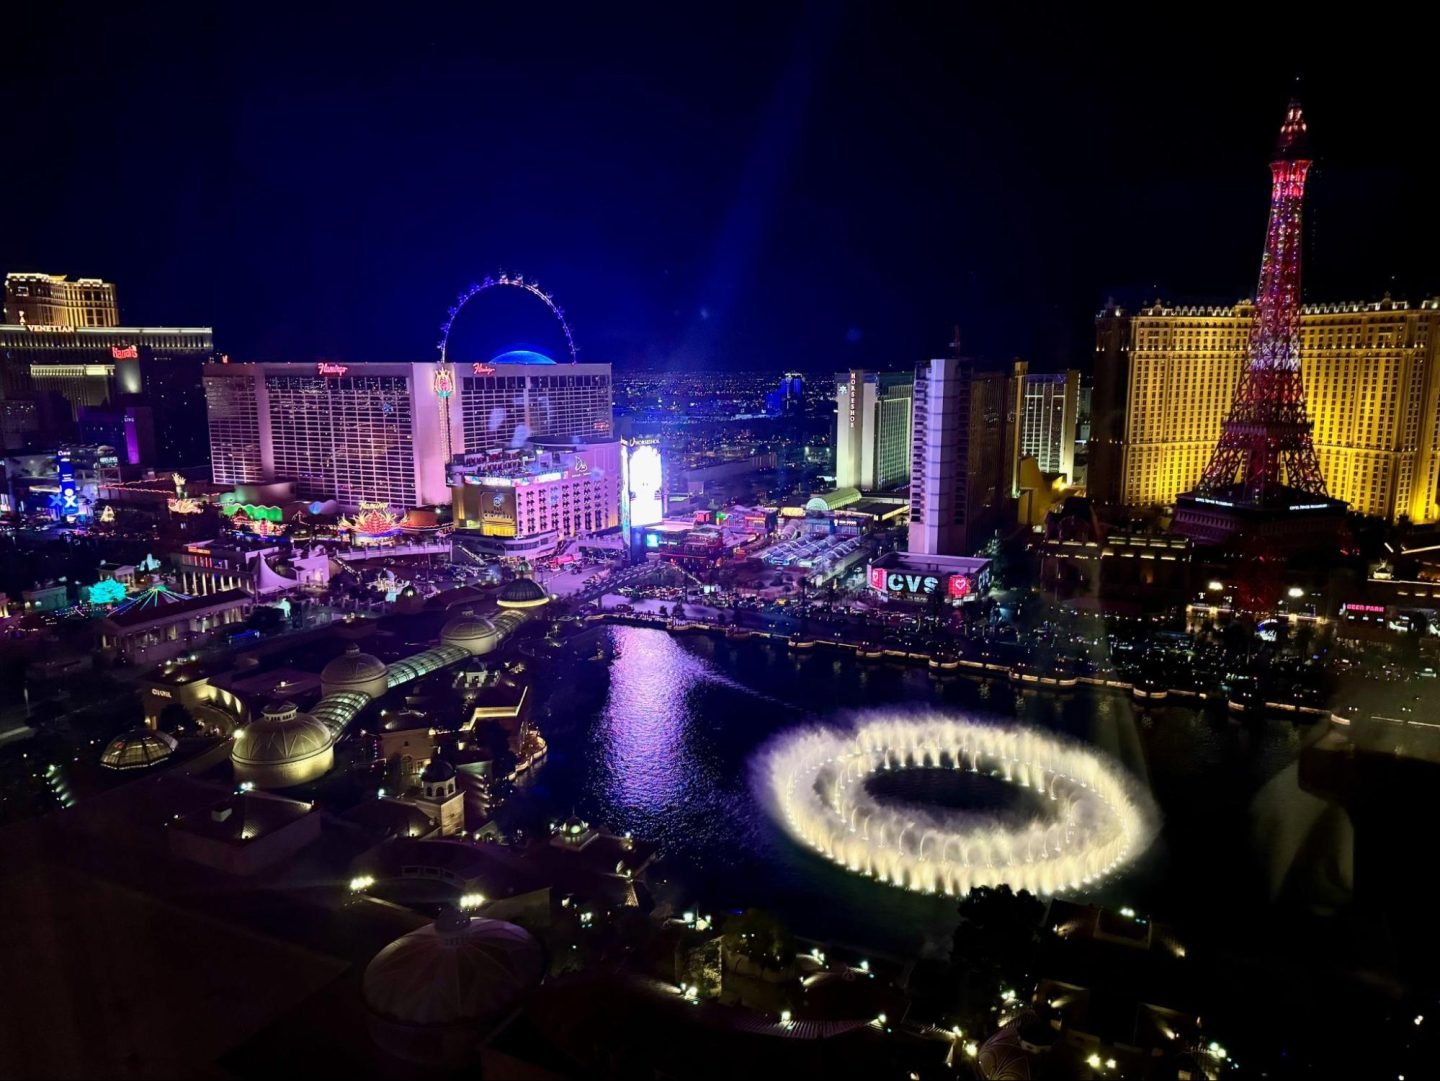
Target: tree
760 937
935 604
265 619
996 945
107 591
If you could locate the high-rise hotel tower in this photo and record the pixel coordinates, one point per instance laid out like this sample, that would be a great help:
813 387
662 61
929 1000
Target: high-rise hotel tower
387 432
959 486
872 429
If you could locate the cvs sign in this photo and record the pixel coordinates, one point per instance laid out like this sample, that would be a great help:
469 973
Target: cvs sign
914 584
888 581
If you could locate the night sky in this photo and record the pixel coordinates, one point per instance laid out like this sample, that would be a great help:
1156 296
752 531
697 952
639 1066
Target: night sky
793 186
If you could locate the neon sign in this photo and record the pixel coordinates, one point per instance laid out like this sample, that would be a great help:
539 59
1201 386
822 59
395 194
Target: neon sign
1374 609
483 369
325 367
252 510
444 382
900 582
956 586
128 352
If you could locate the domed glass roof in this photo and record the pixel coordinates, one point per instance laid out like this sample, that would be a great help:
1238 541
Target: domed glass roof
458 968
282 734
522 593
521 356
352 666
137 748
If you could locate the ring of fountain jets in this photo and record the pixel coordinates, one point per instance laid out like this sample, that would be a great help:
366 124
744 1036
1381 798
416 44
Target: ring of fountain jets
818 783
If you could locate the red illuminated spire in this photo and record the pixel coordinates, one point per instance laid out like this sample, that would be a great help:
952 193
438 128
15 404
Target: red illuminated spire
1265 456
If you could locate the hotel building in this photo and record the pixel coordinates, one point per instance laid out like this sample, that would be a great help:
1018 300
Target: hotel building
384 433
1045 418
872 429
353 433
1165 377
55 301
503 405
958 483
63 351
527 502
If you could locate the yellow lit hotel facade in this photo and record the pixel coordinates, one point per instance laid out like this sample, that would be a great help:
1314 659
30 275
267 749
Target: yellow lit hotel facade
1372 388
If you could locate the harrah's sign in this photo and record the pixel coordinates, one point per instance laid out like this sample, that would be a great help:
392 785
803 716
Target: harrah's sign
907 583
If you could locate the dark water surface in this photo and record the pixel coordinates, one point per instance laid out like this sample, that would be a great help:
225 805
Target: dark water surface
663 741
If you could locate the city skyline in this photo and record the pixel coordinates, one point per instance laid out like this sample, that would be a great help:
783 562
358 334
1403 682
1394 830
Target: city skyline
768 243
618 542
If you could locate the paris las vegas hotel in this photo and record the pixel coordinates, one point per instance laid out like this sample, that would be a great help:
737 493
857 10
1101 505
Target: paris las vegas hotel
402 433
1164 377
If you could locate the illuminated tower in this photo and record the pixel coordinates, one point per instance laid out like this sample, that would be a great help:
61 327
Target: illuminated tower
1263 482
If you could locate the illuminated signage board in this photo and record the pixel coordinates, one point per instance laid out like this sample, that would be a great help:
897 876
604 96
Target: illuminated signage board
643 485
444 382
854 392
253 511
1366 609
325 367
905 583
483 369
128 352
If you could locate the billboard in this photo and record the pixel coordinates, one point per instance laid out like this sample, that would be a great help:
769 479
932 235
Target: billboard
497 512
643 488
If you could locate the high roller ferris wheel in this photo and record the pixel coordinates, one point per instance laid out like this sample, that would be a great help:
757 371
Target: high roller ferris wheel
516 281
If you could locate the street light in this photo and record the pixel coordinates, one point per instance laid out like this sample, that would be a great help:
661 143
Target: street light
1295 593
1215 586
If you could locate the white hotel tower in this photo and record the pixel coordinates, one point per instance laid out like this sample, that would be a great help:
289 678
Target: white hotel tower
386 432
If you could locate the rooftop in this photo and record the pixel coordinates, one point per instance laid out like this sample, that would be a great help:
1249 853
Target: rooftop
242 817
162 606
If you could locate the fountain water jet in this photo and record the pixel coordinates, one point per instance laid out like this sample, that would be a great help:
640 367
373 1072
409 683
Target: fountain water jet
817 780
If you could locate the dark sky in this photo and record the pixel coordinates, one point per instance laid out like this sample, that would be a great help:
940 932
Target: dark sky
787 185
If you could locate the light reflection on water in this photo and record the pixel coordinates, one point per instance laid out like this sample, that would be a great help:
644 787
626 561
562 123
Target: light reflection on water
660 742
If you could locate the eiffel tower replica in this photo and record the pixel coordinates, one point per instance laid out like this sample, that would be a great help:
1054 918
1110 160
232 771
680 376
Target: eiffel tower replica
1262 491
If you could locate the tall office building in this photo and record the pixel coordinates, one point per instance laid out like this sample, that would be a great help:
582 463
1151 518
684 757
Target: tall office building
872 429
958 484
1045 412
52 300
1165 377
385 433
